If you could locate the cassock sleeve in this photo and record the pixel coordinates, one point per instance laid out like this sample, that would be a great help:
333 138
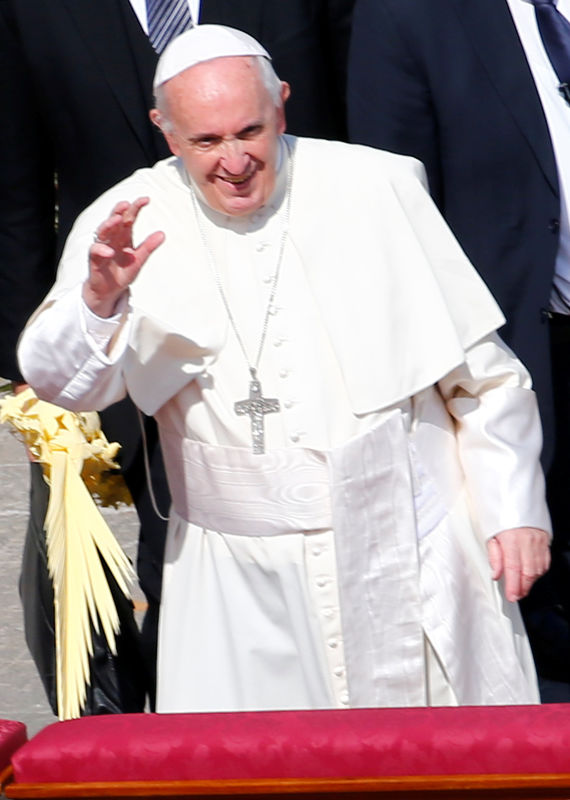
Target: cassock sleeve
499 437
71 357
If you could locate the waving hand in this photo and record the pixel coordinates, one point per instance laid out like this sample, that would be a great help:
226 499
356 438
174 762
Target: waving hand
114 262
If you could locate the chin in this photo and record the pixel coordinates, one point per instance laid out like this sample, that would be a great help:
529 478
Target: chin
240 206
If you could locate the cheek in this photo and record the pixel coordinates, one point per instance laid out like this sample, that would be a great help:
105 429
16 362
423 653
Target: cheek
269 156
199 169
264 155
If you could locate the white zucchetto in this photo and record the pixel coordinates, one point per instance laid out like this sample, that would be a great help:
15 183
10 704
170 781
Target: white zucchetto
203 43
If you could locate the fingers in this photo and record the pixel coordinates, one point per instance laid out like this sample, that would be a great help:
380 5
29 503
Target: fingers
537 560
100 250
113 239
149 245
495 556
520 556
114 262
512 568
115 218
116 230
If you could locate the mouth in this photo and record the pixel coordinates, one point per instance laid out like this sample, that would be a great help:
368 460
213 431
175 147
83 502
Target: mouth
238 180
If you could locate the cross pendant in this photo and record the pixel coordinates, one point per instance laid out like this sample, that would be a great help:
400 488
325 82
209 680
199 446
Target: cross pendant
256 406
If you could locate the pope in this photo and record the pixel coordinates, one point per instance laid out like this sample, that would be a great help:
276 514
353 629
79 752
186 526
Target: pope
352 451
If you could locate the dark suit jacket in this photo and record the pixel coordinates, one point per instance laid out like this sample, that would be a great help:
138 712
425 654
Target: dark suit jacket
447 81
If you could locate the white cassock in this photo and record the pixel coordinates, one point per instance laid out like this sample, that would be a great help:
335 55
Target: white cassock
342 567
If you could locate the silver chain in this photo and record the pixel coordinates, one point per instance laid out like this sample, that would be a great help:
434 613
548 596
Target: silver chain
284 233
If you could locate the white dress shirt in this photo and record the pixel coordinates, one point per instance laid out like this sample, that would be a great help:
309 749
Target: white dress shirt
557 113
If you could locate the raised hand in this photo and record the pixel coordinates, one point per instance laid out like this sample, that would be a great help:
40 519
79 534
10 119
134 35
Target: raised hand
114 262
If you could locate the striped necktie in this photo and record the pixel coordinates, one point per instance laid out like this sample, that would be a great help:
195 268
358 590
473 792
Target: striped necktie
166 19
555 33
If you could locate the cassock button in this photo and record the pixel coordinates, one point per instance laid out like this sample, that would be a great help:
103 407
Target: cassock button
332 643
344 698
338 672
268 279
295 437
288 403
322 582
284 373
316 551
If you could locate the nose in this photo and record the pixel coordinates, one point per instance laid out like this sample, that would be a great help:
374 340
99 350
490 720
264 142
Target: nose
234 160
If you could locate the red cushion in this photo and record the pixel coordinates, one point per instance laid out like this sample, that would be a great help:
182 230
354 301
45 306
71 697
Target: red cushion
296 744
12 736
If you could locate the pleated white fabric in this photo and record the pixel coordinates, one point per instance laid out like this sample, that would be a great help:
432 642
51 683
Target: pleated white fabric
396 569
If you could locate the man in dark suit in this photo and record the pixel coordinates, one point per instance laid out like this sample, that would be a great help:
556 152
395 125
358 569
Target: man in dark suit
466 87
76 80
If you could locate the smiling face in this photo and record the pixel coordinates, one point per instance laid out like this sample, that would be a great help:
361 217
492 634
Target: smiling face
225 126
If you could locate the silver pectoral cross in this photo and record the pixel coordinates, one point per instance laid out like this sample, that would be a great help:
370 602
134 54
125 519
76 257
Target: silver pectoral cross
256 406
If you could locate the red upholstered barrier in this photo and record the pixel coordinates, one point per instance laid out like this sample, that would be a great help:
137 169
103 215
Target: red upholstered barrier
12 736
299 744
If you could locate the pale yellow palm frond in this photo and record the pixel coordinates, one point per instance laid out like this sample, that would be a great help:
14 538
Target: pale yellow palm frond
74 454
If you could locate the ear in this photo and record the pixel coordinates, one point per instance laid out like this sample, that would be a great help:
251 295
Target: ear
281 120
157 119
285 91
